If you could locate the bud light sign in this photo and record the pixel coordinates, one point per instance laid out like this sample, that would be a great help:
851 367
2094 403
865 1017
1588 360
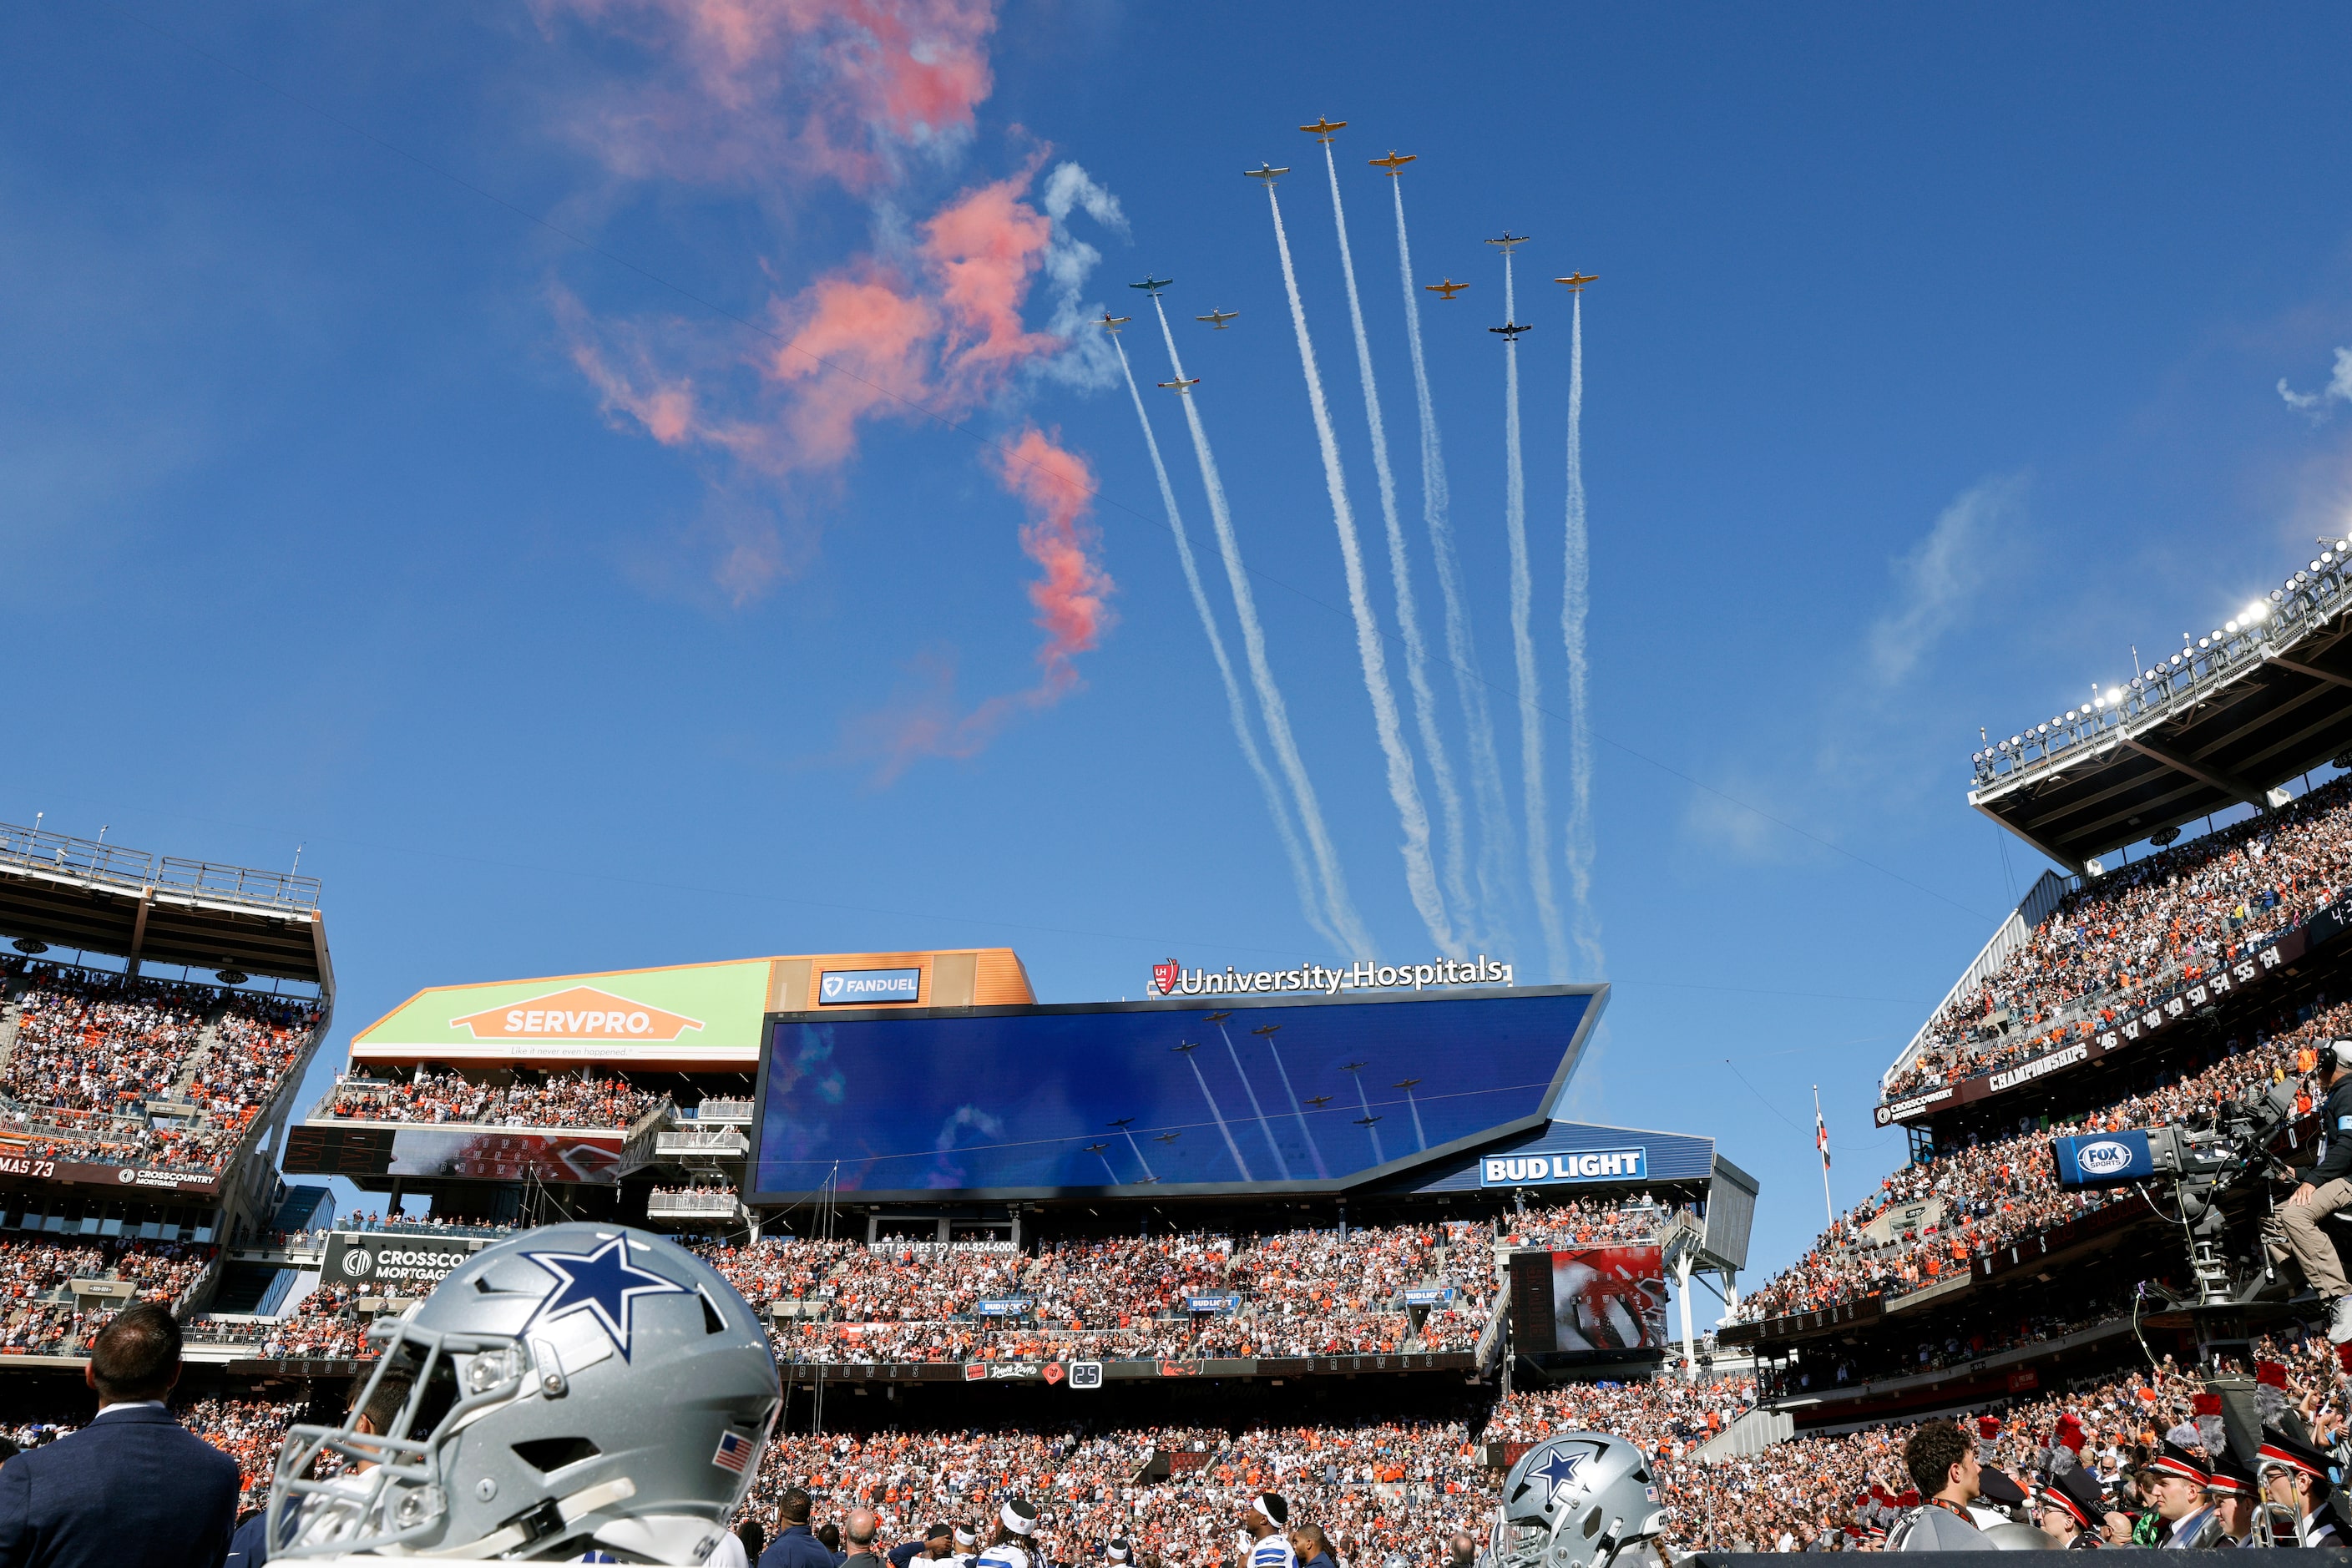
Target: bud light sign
1534 1170
2102 1159
866 987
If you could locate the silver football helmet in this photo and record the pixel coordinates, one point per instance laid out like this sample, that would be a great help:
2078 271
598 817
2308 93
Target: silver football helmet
1575 1500
574 1387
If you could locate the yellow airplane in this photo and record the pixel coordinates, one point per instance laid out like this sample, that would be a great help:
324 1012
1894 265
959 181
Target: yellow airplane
1322 129
1180 386
1449 288
1267 173
1577 280
1509 241
1218 319
1392 163
1111 323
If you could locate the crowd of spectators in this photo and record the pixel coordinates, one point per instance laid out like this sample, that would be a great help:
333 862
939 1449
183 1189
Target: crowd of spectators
2136 935
249 1431
1292 1293
1991 1194
92 1050
1380 1487
561 1101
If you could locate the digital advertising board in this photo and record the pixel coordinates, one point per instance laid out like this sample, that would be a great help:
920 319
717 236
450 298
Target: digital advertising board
699 1012
1594 1300
472 1153
1300 1094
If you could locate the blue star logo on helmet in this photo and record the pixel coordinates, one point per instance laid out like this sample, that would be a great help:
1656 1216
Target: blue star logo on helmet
1559 1469
604 1284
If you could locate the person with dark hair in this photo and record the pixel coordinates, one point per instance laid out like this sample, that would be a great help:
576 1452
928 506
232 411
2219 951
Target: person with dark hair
1312 1546
1942 1460
249 1547
934 1547
134 1488
1017 1526
1264 1519
796 1546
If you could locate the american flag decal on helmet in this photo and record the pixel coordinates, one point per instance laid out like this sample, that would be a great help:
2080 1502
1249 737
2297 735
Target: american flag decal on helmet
735 1452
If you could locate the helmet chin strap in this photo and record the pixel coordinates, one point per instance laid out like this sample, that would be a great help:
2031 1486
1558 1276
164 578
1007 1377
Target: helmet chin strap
568 1510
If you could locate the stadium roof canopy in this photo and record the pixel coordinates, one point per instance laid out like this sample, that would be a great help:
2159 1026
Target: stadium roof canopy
2224 722
95 897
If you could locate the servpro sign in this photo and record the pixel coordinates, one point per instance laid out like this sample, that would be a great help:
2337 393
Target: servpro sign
581 1013
692 1014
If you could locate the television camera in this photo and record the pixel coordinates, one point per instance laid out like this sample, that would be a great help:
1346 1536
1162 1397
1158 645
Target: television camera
2202 1159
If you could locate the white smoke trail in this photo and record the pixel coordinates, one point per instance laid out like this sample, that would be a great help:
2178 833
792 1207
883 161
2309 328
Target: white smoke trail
1337 908
1233 709
1523 651
1416 653
1496 832
1575 606
1420 876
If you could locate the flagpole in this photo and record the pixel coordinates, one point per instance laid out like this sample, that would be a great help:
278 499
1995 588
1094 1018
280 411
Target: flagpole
1826 1209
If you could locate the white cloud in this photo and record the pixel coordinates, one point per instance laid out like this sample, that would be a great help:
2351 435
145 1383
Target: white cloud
1943 572
2314 403
1088 363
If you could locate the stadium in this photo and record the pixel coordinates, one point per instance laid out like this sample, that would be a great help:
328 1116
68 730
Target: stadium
960 1208
1322 1226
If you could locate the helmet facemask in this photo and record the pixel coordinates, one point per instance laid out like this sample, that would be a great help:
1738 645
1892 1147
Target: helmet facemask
392 1487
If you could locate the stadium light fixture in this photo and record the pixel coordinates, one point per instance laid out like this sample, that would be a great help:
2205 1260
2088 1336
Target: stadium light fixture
2276 596
2257 612
2114 696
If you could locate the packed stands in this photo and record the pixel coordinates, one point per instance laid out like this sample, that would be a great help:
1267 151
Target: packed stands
247 1430
1994 1192
2141 933
1295 1293
563 1101
38 1314
1402 1486
93 1053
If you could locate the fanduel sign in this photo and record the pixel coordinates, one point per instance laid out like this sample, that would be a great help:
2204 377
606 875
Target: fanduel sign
1173 979
864 987
1539 1170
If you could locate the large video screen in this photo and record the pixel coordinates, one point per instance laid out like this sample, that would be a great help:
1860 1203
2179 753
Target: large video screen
1150 1095
1595 1300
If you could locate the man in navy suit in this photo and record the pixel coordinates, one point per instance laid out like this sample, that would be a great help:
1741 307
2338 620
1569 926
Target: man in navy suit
133 1488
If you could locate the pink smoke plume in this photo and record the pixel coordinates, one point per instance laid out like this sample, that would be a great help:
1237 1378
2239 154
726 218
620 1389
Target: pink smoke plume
754 90
1071 596
938 336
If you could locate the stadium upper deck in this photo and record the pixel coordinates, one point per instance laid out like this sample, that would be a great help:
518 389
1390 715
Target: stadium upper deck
138 1112
2225 721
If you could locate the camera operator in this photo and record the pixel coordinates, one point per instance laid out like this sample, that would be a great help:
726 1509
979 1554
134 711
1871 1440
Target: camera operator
2295 1227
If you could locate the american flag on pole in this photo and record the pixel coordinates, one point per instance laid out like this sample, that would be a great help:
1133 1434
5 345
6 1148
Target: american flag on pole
735 1452
1821 1137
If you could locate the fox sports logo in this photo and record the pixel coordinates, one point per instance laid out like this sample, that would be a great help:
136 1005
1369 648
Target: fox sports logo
2102 1159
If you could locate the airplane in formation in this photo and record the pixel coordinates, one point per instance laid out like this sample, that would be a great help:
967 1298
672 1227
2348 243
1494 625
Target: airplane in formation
1577 280
1318 1102
1168 1137
1392 163
1218 320
1509 241
1322 129
1180 386
1267 173
1449 288
1219 1017
1151 285
1511 330
1111 324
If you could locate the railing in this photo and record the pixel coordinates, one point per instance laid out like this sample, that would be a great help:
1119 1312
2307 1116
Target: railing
2179 682
91 860
728 1112
701 1201
719 1142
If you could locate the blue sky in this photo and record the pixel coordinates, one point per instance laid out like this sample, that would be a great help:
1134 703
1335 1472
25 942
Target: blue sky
1933 366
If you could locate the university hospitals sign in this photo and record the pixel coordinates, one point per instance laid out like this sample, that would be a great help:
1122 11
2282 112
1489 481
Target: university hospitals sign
1170 978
